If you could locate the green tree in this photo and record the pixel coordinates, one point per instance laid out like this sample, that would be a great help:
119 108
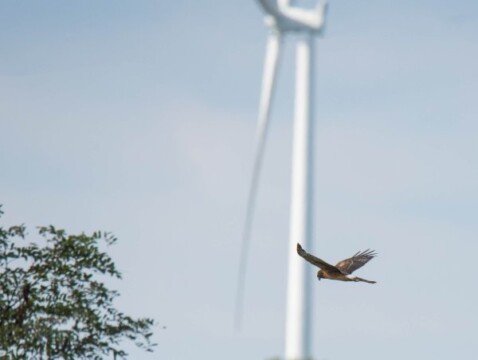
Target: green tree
53 303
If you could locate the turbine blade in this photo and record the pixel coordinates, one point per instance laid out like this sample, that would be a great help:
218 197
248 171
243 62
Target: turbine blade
267 92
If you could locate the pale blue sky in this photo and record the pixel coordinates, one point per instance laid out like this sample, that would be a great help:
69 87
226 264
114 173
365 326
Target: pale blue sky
139 118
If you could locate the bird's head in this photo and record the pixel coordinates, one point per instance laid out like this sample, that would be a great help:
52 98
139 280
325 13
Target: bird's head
320 275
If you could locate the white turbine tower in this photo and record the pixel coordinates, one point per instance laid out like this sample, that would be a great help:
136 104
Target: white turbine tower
282 18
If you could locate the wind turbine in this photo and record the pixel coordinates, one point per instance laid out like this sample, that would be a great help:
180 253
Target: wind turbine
282 18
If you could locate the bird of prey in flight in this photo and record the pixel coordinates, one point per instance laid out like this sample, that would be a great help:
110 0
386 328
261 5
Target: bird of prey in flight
342 268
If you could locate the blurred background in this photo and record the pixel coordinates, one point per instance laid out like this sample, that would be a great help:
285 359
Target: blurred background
139 118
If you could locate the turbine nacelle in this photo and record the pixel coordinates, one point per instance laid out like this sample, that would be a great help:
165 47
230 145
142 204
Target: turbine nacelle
282 16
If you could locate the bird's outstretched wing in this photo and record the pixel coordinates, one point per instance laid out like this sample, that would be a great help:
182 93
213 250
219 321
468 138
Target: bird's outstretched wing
348 266
316 261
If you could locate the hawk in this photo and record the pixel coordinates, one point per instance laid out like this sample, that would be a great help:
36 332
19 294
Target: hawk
342 268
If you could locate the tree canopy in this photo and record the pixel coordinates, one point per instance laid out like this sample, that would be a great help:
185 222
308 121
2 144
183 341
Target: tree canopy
54 303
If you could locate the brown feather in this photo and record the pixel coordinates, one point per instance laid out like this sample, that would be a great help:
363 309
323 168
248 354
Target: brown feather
348 266
316 261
